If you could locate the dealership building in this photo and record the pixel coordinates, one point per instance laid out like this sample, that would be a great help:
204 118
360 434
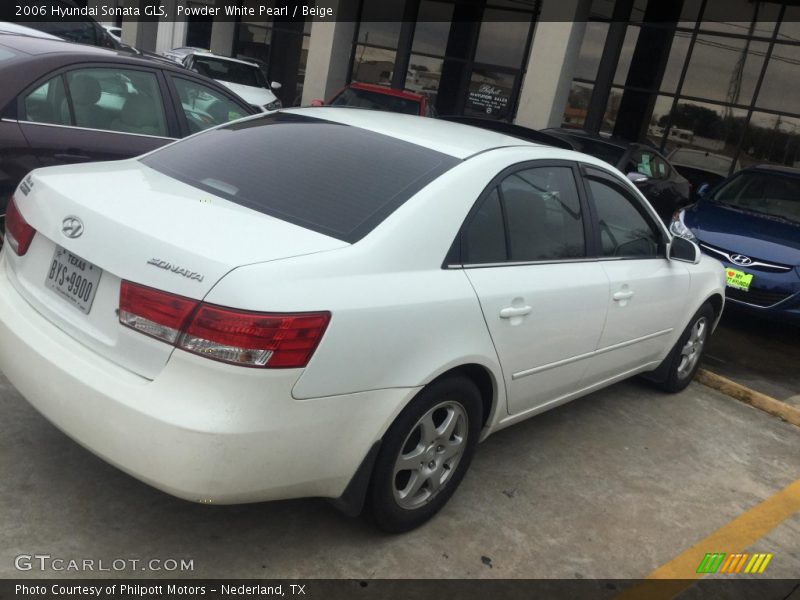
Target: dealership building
718 76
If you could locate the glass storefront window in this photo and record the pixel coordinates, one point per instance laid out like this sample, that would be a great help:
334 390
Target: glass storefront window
724 69
577 105
594 40
624 64
772 139
704 126
433 28
489 93
656 128
501 42
677 58
380 33
423 75
612 110
781 85
789 30
373 65
689 13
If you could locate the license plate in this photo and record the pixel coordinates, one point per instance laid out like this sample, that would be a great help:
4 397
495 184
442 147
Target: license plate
73 278
738 279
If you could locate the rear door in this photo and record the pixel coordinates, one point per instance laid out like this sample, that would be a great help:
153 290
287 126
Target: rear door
648 293
525 250
95 113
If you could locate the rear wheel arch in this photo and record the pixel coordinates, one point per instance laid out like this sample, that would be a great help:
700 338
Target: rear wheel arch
483 378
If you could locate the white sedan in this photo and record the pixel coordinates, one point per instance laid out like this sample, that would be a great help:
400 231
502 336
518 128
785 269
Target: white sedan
337 303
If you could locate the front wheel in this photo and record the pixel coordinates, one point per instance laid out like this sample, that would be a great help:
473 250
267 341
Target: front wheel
425 454
684 359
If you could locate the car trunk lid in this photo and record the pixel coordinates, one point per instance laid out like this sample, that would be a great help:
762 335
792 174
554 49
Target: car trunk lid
142 226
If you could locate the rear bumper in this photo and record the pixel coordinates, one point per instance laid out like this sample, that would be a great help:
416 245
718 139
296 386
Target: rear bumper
202 430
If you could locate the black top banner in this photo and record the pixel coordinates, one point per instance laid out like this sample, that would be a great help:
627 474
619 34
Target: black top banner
397 10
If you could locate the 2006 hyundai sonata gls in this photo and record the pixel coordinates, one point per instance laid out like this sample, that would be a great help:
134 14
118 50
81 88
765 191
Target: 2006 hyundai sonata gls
337 303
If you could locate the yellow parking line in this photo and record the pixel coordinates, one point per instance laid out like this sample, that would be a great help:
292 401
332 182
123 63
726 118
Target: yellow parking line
733 537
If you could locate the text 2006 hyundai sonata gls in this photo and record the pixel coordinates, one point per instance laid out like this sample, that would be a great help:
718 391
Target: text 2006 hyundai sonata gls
337 303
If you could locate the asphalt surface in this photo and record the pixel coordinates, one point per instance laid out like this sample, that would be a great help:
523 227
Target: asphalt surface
609 486
761 354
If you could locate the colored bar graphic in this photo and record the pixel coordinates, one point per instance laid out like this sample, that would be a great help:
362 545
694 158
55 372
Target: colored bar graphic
714 562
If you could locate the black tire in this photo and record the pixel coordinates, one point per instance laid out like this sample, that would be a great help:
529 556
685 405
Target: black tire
454 397
676 376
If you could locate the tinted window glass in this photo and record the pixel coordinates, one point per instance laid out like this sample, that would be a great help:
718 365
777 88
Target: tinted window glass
623 229
204 107
543 214
484 236
123 100
47 104
649 163
335 179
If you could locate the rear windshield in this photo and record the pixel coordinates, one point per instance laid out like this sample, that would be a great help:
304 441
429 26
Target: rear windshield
334 179
356 98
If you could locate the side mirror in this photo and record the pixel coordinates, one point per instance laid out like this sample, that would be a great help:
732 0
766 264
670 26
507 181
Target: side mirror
275 85
317 102
683 250
637 177
703 189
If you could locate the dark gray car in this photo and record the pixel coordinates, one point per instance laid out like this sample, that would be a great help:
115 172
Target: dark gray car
65 103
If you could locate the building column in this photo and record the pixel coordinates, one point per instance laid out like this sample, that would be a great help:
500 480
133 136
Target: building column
171 34
141 33
97 4
329 50
551 64
222 36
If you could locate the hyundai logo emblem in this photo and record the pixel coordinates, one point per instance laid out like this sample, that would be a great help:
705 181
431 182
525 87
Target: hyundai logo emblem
741 259
72 227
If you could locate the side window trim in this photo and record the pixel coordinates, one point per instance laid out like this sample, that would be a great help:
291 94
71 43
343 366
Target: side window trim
598 174
454 258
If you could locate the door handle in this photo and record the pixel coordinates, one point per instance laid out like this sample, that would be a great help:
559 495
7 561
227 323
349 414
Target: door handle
623 295
69 157
514 311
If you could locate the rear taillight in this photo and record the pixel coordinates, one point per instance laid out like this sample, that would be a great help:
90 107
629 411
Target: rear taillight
153 312
18 233
233 336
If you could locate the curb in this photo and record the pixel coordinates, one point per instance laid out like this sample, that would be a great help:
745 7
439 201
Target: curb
787 412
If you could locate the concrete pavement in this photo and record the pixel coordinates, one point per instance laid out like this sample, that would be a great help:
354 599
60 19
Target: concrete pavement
610 486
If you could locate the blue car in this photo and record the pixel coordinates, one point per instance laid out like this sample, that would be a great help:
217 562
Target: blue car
751 222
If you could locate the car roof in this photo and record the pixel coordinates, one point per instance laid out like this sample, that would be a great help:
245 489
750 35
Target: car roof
39 45
16 28
63 52
380 89
454 139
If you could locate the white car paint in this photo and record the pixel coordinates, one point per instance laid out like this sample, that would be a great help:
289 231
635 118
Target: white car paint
255 96
213 432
